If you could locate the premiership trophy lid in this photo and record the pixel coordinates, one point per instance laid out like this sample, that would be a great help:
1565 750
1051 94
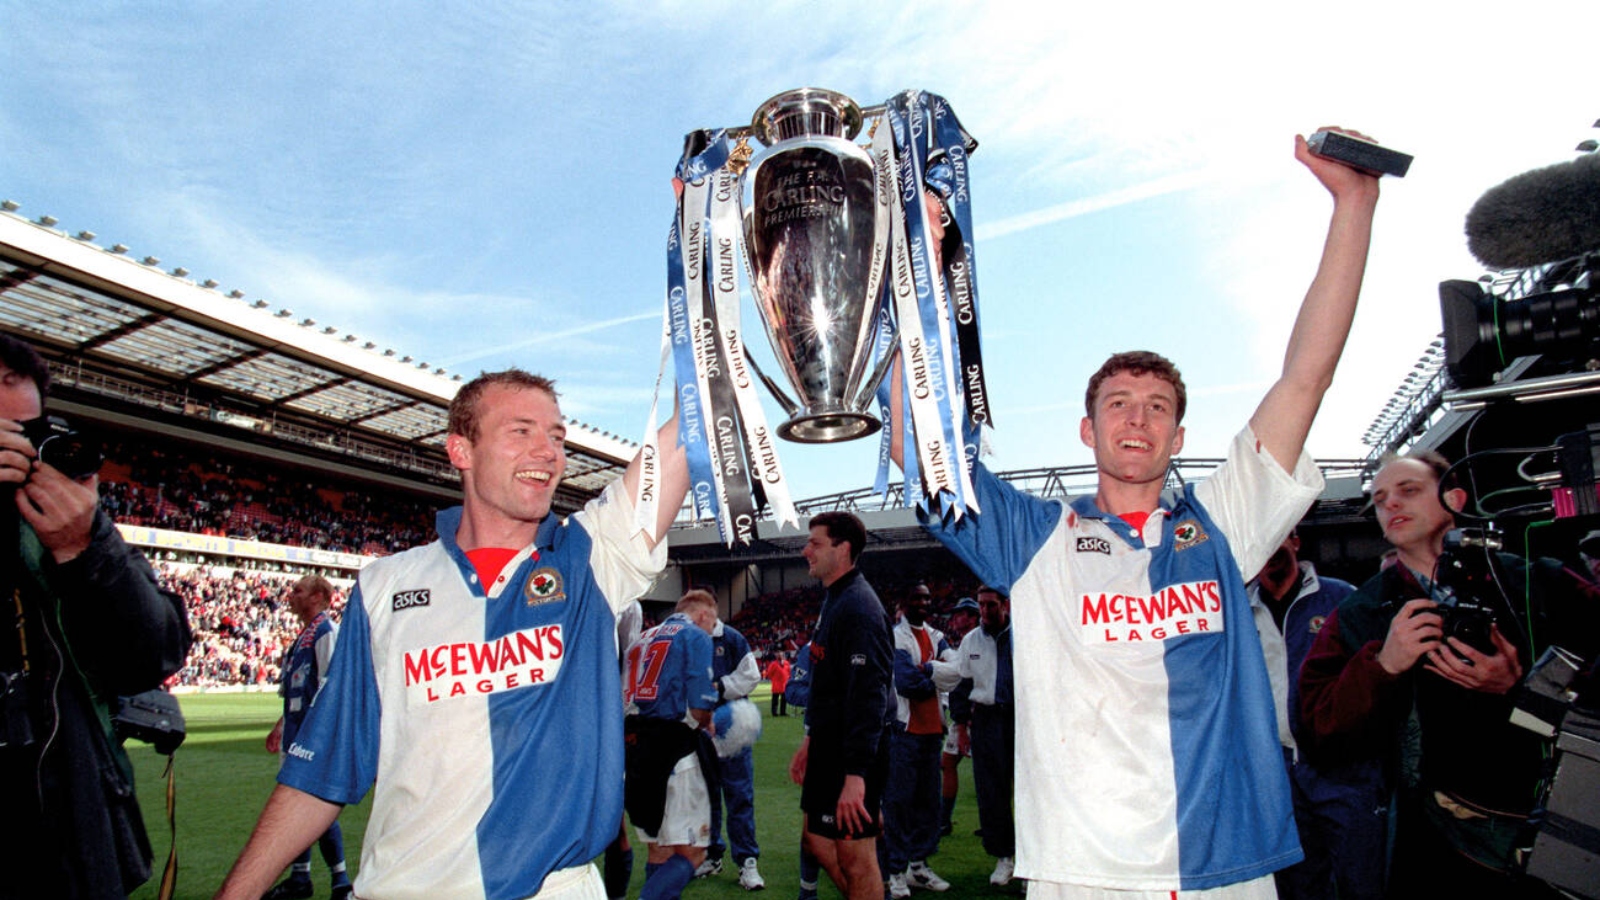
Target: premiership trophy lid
804 111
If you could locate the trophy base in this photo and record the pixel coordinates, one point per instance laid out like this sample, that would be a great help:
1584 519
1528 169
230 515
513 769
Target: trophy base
829 427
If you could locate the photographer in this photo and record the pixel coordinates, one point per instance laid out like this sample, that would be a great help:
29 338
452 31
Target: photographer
1467 793
84 623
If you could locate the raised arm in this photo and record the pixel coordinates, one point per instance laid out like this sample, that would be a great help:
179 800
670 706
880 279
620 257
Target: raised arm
674 483
1284 417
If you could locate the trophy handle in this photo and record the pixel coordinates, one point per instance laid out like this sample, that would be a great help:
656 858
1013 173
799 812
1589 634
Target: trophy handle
790 407
870 386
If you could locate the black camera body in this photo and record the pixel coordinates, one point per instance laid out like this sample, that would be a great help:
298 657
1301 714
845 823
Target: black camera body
1468 619
153 717
61 447
1469 571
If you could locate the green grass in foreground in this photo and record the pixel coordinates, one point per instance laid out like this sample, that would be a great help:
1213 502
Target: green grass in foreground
224 775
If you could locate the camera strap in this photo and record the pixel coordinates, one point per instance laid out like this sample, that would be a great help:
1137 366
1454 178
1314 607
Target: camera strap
33 557
169 873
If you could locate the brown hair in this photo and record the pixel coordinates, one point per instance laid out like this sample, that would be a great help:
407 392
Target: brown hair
464 406
1138 362
21 358
842 526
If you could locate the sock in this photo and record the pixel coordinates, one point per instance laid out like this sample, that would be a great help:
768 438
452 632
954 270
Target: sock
668 880
810 871
619 868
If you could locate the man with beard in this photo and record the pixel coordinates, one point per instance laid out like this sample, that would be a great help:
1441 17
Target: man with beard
911 798
1341 806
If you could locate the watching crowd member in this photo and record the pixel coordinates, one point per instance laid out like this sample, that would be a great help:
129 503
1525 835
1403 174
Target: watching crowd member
1385 652
1341 807
911 797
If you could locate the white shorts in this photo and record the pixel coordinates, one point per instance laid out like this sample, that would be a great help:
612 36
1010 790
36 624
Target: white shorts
686 821
1263 888
576 883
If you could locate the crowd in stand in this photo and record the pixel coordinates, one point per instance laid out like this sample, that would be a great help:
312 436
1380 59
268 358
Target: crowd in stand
239 620
164 486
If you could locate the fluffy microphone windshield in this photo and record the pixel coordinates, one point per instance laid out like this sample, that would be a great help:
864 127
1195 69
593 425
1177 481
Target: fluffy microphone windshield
1537 217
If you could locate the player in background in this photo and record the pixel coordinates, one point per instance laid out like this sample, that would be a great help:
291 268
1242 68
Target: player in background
670 696
304 669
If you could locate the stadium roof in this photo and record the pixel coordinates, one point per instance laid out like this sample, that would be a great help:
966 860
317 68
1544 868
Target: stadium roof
129 337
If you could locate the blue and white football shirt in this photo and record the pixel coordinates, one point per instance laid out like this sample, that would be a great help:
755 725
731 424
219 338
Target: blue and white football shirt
669 672
478 713
1147 751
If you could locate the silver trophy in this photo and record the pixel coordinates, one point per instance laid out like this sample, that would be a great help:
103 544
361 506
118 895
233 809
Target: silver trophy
810 208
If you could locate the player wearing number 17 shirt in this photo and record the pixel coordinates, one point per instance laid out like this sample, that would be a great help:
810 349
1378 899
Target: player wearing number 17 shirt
670 696
471 675
1147 750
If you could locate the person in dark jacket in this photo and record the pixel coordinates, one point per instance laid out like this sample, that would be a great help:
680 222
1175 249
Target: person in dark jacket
1466 798
842 763
84 623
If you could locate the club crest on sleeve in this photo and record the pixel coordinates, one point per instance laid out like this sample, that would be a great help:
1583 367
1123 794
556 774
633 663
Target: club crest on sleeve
1090 544
410 599
544 586
1316 623
1188 533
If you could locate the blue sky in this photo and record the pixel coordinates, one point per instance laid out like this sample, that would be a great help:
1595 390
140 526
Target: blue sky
487 184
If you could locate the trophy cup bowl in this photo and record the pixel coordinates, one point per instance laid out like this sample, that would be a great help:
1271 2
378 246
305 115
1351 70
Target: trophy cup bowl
809 208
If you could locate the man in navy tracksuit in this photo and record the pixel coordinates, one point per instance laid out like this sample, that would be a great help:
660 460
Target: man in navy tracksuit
1341 806
736 673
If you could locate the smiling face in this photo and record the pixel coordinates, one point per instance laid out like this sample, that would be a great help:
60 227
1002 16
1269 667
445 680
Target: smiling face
1134 430
826 559
916 605
510 470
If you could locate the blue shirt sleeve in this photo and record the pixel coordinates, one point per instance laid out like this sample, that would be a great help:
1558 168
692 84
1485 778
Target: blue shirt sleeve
998 543
700 690
335 755
798 691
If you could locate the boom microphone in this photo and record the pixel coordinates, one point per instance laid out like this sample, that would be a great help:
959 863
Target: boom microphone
1541 216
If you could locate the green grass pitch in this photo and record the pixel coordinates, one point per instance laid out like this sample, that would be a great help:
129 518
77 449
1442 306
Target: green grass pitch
224 775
